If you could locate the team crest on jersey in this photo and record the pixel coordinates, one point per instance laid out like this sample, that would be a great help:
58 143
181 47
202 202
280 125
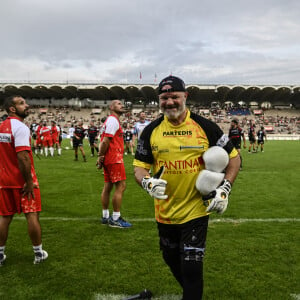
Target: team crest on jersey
5 138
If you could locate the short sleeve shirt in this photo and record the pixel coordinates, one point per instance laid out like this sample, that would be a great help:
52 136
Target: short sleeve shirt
139 127
179 149
112 129
14 138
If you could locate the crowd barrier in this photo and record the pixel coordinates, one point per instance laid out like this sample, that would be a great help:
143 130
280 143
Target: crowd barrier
283 137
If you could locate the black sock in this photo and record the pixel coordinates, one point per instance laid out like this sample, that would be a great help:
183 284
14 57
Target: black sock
192 273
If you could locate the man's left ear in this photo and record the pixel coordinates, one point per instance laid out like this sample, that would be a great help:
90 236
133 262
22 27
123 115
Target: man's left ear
12 109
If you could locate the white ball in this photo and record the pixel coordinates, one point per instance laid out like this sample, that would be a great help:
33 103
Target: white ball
208 181
216 159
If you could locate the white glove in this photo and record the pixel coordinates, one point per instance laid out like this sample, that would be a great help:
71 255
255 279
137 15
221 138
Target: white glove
207 181
218 198
155 186
215 159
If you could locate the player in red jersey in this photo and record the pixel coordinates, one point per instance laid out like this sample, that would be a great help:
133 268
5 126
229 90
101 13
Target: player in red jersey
19 188
38 141
110 157
55 133
47 139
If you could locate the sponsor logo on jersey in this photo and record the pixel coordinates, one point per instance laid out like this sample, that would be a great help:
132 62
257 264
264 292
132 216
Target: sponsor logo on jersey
181 164
154 148
191 147
5 138
177 133
223 140
163 151
140 148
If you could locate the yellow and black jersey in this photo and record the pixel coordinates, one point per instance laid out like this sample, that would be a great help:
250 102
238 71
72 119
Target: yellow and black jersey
179 149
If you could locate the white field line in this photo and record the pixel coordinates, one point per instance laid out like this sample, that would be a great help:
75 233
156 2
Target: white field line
163 297
120 297
141 220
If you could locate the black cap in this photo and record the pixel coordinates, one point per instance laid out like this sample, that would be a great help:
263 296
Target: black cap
171 84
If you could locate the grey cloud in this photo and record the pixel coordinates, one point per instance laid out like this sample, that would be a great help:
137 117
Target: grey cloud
209 41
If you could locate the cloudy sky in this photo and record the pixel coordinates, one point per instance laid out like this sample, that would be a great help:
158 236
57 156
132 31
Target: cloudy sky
202 41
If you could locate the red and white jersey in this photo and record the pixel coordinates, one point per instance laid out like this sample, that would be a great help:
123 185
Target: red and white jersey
45 132
112 128
14 138
55 130
38 131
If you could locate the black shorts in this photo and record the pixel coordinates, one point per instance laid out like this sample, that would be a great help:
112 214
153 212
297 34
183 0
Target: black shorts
261 142
236 143
77 143
251 140
92 140
190 234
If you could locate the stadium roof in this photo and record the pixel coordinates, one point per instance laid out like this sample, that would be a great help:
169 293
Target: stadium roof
202 94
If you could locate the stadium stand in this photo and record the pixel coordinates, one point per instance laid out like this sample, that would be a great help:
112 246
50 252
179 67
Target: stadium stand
275 121
67 104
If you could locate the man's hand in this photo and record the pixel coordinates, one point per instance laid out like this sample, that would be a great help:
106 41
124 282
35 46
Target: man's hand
100 162
155 186
28 190
218 198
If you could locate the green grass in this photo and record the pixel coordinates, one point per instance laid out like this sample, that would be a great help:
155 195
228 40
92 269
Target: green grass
244 260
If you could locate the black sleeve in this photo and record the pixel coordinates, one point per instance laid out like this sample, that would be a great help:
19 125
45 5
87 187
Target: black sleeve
215 135
143 150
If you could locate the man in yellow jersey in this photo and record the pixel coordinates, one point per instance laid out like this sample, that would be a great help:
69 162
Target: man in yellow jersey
173 146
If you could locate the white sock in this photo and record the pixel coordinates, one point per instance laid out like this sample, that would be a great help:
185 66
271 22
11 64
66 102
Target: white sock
37 249
51 151
105 213
59 151
46 151
116 215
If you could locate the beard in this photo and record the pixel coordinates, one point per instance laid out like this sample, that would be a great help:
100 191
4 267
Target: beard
22 114
174 114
